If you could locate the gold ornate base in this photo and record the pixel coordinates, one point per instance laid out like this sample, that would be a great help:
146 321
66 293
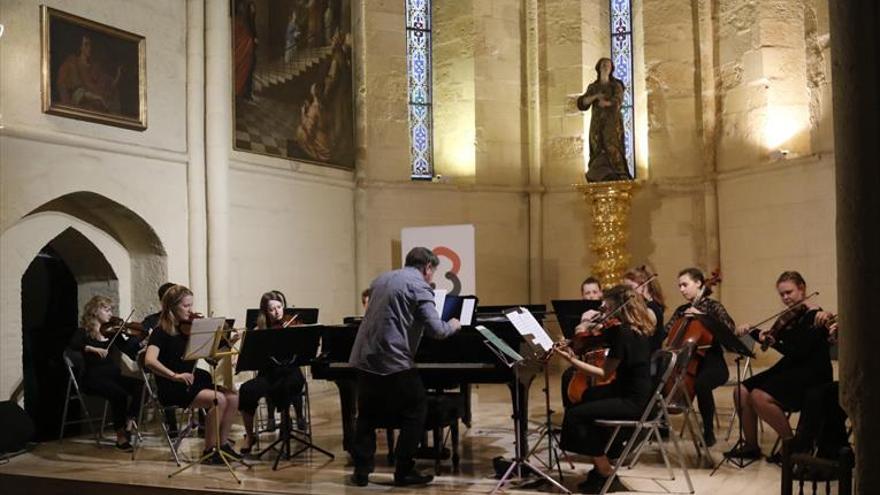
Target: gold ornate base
610 205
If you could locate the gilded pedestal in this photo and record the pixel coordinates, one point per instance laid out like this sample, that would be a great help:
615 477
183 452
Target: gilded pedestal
610 205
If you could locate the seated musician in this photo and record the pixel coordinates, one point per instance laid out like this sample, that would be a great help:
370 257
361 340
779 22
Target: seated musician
282 384
637 278
624 398
102 376
800 335
591 289
179 383
712 371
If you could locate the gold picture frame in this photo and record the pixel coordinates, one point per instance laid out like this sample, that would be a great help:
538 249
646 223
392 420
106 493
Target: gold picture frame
92 71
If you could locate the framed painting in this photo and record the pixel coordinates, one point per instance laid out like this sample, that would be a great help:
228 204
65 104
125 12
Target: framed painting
292 80
92 71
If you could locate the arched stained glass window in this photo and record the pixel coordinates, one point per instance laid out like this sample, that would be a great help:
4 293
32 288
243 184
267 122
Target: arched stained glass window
418 65
622 56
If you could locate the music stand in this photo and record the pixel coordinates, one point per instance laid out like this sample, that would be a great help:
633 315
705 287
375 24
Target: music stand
733 344
206 338
569 312
284 348
538 343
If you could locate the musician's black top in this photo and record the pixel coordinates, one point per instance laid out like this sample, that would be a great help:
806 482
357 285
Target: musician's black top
171 351
78 342
806 363
633 380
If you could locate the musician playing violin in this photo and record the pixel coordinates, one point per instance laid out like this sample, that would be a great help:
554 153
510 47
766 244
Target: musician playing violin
712 370
179 382
639 279
800 335
102 376
625 398
283 385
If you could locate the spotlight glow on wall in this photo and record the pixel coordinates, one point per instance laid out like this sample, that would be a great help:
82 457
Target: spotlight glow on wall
781 125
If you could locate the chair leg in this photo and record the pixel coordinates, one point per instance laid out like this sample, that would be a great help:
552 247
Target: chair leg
438 449
64 414
455 457
679 453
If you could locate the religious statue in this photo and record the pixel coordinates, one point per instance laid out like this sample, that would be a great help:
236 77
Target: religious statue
605 95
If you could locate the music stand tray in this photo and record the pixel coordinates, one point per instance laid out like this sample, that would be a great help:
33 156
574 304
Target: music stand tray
282 347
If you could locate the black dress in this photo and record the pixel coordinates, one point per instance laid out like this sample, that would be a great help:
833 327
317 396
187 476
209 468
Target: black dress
624 398
171 351
102 377
805 363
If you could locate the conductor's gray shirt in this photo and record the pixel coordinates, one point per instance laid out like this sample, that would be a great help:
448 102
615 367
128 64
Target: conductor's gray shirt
400 310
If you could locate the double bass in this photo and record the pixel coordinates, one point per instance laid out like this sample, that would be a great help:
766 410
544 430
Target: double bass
687 329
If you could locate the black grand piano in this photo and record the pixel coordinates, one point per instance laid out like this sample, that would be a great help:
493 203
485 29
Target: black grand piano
457 361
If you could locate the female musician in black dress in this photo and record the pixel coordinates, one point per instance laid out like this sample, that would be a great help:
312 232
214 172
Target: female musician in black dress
283 385
712 371
179 382
800 335
102 375
625 398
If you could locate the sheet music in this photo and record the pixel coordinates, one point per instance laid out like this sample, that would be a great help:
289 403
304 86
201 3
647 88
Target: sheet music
439 301
526 324
201 337
468 306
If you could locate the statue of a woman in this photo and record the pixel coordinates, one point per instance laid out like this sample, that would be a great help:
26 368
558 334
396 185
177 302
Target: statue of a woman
605 95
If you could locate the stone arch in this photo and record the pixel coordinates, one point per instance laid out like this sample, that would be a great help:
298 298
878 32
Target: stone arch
110 249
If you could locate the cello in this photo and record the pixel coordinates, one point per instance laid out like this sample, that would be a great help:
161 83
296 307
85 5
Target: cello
687 329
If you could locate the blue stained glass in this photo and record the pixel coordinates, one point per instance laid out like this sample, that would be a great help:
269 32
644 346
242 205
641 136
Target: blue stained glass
418 51
622 56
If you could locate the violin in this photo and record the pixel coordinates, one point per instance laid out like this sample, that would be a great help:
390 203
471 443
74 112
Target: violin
784 320
118 325
290 320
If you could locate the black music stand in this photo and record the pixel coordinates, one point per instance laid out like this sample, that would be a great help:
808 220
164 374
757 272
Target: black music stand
512 359
569 312
733 344
283 348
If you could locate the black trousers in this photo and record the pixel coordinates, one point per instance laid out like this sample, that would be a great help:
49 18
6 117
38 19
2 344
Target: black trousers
711 374
581 434
123 393
280 386
397 400
823 421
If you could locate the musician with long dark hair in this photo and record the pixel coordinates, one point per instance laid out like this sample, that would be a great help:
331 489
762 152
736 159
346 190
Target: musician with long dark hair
625 398
800 335
102 376
638 278
179 383
283 385
712 371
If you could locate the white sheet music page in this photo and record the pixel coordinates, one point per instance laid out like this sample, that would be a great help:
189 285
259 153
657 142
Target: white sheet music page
526 324
440 300
467 311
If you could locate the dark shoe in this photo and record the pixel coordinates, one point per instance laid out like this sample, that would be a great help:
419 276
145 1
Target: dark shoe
744 452
124 446
709 437
211 460
412 478
595 482
249 443
775 458
228 450
359 479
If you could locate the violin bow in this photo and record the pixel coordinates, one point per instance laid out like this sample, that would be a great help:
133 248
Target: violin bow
784 311
119 330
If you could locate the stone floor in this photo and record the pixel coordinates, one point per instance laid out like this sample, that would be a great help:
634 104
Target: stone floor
489 436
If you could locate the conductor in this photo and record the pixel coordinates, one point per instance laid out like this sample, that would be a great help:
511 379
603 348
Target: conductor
389 387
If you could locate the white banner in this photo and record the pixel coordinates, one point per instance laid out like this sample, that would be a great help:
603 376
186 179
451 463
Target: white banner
454 245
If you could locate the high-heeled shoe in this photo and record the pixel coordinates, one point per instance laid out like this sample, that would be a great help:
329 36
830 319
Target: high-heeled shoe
248 446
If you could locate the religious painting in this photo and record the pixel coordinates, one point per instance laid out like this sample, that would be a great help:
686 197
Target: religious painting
292 80
92 71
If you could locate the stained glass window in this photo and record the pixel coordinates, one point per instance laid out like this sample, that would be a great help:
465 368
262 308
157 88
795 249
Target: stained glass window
622 56
418 67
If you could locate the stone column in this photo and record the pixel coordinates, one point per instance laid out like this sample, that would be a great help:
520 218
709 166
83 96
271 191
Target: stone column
854 50
195 143
218 141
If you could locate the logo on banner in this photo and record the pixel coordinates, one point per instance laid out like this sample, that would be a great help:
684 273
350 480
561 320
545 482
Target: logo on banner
452 273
